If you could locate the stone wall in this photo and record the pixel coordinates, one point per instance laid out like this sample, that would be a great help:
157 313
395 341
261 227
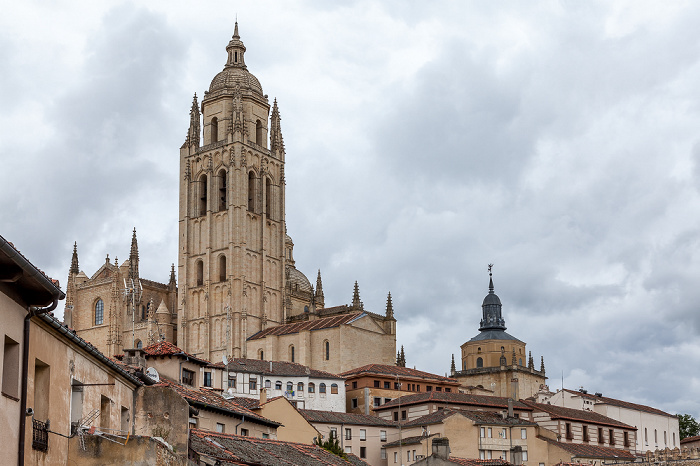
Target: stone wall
137 450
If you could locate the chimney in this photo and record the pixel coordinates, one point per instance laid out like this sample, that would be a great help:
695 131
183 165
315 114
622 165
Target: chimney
135 357
510 407
263 396
441 448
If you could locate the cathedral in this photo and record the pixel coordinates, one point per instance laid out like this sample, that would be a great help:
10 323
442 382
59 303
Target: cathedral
237 279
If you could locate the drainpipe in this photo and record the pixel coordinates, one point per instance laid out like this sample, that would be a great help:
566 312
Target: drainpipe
242 421
33 311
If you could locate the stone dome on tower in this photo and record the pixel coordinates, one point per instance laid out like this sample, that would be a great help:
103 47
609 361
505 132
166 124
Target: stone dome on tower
235 72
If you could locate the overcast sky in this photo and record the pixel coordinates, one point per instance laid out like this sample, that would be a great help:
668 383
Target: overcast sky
425 140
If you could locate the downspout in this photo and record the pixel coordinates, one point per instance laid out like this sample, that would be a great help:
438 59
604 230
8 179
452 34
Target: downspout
242 421
33 311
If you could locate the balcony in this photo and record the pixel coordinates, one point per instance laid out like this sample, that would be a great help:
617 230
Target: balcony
40 435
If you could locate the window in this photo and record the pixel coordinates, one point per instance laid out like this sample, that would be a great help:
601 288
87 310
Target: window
258 133
503 433
353 403
207 379
656 437
290 387
354 385
418 388
396 457
244 432
488 454
482 455
646 437
261 355
333 433
396 416
600 435
42 384
222 190
524 455
222 268
322 388
448 389
483 432
438 389
626 439
376 384
268 384
611 437
232 381
265 435
363 452
585 434
214 129
187 377
251 191
99 312
386 400
278 385
312 387
387 385
429 388
665 441
203 195
139 344
200 272
523 433
334 389
382 435
328 351
479 362
569 434
397 386
363 434
10 369
403 415
124 419
105 418
300 387
348 434
383 453
253 384
489 432
377 401
291 353
348 449
220 427
674 438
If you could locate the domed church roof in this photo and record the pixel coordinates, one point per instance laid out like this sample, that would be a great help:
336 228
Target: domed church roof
297 280
493 325
235 72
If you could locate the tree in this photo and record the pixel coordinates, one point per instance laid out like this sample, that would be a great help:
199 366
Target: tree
331 444
687 426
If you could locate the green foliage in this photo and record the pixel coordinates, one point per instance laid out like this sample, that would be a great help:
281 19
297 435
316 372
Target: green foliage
688 426
332 445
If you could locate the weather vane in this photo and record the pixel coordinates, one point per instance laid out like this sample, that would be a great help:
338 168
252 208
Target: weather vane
490 266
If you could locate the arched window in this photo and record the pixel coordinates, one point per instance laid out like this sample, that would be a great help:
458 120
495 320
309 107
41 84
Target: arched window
322 388
222 268
278 385
328 350
143 312
251 191
200 273
520 361
479 362
258 133
139 344
291 353
478 350
312 387
334 389
306 308
203 195
300 387
214 129
290 387
99 312
222 190
268 384
268 197
262 356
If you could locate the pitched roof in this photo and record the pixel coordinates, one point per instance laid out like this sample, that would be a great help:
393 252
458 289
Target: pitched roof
210 400
690 439
332 417
583 450
619 403
580 415
478 417
240 450
165 348
281 368
415 440
404 372
454 398
318 324
473 462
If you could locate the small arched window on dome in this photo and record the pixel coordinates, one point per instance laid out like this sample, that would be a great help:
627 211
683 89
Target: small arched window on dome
222 268
479 362
251 191
200 272
99 312
214 130
222 190
203 195
258 133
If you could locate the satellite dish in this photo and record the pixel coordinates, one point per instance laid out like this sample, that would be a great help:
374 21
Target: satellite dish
153 374
224 359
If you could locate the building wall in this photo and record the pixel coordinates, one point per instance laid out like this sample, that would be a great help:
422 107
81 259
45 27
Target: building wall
294 427
54 363
508 381
161 412
140 450
373 443
490 353
208 420
10 374
362 389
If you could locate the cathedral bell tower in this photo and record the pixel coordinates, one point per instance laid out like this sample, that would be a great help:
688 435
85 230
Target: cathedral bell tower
231 263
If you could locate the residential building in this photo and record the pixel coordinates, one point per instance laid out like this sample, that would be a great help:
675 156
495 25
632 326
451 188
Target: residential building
441 456
691 442
170 362
373 385
218 448
656 429
360 434
294 426
410 407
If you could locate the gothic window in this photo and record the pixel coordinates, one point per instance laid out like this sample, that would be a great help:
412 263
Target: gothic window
291 353
139 344
222 190
222 268
328 350
268 197
214 129
251 191
258 133
200 272
203 195
479 362
99 312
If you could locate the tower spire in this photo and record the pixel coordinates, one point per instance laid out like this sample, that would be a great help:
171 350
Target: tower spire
74 261
389 307
276 139
356 303
235 49
492 318
193 131
134 257
453 369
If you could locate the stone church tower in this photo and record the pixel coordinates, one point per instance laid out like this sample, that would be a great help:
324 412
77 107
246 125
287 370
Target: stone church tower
234 253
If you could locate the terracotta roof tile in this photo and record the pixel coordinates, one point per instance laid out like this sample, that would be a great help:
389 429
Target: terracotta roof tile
583 450
690 439
560 412
620 403
454 399
317 324
406 372
165 348
414 440
332 417
478 417
281 368
473 462
236 449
